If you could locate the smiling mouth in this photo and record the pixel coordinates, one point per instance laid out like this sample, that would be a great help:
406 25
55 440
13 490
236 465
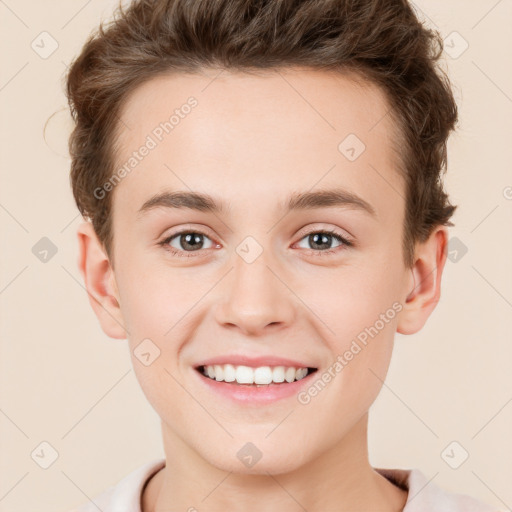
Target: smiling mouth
249 376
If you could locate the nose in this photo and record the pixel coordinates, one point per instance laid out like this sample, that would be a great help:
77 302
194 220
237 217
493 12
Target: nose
255 298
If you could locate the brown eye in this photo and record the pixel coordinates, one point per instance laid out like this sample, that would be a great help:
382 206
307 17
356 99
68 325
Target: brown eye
186 241
321 241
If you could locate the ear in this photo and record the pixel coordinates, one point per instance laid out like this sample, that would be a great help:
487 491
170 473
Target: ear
100 282
425 282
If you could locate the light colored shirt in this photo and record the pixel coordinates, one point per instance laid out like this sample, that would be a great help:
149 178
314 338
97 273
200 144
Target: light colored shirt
423 496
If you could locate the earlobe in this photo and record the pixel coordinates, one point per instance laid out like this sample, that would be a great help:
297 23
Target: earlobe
99 281
426 276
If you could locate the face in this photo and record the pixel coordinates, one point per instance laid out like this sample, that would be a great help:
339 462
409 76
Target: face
255 274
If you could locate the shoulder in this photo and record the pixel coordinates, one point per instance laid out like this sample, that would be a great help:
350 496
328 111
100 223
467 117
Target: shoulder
424 495
126 494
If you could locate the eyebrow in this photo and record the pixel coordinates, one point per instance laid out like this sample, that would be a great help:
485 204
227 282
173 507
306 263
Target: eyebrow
327 198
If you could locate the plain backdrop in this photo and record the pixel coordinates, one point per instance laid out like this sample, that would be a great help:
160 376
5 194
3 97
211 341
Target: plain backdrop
68 392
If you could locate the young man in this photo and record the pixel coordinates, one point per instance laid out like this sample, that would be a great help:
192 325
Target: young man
264 210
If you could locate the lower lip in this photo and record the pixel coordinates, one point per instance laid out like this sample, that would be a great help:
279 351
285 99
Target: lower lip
245 393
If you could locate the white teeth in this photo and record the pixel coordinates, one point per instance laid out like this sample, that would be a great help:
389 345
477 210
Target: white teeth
278 374
290 374
301 373
263 375
248 375
229 373
244 375
219 372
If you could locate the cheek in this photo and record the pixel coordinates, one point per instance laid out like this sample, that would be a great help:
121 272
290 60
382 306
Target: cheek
156 303
357 312
353 299
155 298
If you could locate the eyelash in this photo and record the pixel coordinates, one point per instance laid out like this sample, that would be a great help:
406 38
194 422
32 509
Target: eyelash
344 242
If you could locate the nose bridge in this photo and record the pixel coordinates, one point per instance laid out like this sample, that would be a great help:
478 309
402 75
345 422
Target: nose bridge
253 297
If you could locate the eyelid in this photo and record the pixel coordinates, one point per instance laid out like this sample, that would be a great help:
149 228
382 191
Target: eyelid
167 238
344 241
342 233
186 228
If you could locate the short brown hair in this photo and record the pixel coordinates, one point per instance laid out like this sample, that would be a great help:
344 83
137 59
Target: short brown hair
382 41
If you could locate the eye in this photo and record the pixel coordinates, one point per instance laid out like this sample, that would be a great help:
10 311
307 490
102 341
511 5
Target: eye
186 241
320 239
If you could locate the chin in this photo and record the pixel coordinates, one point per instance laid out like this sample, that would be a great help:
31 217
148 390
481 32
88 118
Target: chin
273 465
255 457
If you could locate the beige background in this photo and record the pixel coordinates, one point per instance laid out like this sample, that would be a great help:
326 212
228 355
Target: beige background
64 382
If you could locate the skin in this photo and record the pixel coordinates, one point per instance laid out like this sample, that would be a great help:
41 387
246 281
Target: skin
252 141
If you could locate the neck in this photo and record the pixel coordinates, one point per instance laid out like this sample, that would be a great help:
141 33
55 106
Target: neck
339 479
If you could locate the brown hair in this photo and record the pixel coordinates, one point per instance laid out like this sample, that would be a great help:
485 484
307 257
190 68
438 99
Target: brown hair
382 41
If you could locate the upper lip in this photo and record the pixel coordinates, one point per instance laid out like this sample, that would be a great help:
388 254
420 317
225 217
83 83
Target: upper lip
254 362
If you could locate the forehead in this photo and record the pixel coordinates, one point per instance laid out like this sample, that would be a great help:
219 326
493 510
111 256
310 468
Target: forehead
256 137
